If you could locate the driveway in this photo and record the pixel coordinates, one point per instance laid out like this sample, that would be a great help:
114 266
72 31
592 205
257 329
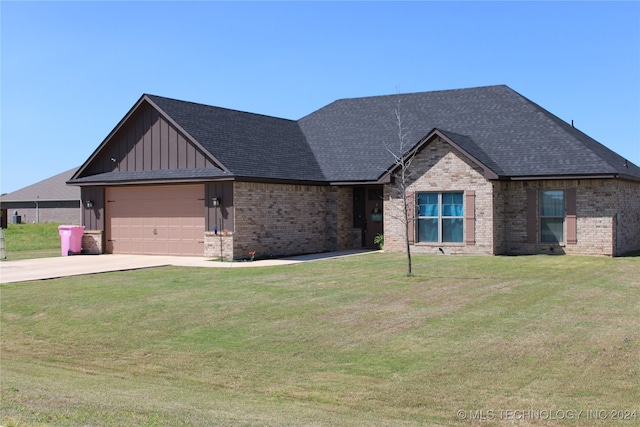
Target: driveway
51 268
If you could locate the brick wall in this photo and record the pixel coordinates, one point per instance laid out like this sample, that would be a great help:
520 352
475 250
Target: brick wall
598 203
63 212
281 219
499 221
607 210
219 244
92 242
628 221
440 167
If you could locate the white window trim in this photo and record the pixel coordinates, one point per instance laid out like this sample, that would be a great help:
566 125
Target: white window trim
440 217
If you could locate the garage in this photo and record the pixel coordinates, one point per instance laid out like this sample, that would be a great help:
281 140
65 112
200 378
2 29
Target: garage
155 220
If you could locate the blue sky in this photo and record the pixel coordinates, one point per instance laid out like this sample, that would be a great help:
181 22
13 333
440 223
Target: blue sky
71 70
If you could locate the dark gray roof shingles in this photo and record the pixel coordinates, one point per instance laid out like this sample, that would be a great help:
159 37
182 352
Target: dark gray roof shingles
250 145
346 141
518 137
515 136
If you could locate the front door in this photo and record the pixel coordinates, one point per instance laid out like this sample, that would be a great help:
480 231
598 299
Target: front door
373 215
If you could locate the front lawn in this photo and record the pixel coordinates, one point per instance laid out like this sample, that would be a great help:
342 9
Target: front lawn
32 241
348 342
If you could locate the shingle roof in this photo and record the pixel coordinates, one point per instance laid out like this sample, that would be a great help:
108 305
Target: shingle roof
515 136
249 145
471 148
50 189
346 141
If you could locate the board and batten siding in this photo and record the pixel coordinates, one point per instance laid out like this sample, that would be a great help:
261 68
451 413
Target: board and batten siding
146 142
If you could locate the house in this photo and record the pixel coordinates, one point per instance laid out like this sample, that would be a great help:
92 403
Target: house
491 173
50 200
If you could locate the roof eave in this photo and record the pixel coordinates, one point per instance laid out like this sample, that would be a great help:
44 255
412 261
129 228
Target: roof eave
359 182
569 176
276 180
39 200
125 181
148 181
626 177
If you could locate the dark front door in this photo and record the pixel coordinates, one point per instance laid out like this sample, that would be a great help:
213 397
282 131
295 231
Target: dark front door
367 213
373 215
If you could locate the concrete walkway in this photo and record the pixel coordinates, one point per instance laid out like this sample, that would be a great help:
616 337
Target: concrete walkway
51 268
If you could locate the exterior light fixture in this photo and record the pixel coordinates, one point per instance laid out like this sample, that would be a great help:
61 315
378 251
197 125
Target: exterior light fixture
215 201
89 204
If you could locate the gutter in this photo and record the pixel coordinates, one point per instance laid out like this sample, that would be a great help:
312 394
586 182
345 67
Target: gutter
561 177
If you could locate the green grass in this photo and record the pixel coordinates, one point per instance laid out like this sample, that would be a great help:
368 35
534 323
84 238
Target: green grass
32 241
347 342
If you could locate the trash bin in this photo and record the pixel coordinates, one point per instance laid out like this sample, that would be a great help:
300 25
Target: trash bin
71 239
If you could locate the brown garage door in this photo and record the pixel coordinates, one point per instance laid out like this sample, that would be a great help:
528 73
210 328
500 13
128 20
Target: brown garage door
155 220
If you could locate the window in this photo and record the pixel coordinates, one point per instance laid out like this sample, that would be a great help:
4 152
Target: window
552 216
440 217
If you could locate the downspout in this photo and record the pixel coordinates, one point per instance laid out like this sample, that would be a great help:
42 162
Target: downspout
37 212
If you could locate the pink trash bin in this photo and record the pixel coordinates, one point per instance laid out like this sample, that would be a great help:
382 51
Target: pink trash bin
71 239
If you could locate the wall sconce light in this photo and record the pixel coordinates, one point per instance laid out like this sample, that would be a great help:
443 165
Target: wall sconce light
89 204
215 201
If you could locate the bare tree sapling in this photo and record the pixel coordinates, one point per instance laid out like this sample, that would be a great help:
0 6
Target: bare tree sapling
402 157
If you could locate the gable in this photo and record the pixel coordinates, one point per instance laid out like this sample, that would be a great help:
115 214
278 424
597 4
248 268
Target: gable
504 133
517 138
460 143
439 164
146 141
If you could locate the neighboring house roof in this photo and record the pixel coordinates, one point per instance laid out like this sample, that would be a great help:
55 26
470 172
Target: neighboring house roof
508 135
50 189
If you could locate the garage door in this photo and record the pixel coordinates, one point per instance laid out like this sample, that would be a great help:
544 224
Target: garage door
155 220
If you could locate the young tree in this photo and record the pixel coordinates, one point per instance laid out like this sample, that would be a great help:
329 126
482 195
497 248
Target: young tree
402 157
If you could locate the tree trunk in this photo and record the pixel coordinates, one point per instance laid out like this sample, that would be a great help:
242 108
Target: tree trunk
406 233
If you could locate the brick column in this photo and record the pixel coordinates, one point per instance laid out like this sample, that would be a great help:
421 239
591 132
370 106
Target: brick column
213 241
92 242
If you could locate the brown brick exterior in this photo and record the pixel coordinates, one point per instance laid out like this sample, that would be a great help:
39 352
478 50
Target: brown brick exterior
436 168
598 201
607 210
92 242
627 225
217 244
279 220
282 219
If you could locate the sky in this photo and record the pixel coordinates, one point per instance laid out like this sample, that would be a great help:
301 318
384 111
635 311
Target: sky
70 71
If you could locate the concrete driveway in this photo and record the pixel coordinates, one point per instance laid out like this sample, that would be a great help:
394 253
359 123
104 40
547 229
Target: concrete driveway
51 268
